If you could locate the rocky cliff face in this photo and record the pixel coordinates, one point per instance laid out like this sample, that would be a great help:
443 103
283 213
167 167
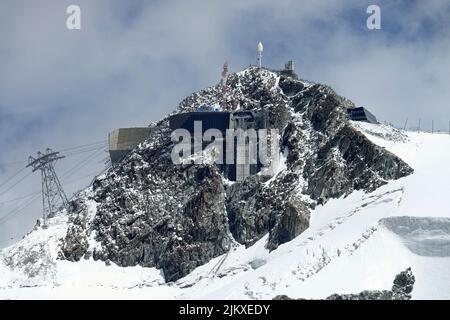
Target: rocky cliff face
147 211
151 212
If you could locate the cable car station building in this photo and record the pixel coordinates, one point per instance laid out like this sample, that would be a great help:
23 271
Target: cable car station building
222 121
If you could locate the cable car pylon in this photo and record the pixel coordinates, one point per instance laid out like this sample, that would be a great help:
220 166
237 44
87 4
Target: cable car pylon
53 196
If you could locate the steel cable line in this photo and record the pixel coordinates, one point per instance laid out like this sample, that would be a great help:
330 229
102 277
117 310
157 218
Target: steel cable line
20 198
15 184
91 147
70 154
6 164
81 164
18 210
73 150
81 178
35 195
12 177
83 146
95 146
38 192
23 178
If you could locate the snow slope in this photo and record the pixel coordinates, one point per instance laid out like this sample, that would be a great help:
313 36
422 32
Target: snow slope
355 243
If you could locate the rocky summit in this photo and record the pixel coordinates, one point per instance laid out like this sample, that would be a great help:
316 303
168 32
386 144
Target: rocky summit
150 212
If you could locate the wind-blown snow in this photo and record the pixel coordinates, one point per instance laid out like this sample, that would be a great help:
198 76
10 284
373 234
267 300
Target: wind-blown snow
355 243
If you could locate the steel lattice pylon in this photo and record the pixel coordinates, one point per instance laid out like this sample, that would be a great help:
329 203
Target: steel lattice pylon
53 196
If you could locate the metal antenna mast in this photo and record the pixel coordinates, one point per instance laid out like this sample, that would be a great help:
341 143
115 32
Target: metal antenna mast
53 196
259 51
224 87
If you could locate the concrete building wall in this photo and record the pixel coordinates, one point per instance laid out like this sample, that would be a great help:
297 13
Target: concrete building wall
209 120
241 168
123 140
361 114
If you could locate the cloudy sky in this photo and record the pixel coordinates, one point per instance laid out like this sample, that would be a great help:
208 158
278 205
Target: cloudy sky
133 61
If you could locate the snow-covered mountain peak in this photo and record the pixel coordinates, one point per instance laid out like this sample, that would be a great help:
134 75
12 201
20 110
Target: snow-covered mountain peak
185 225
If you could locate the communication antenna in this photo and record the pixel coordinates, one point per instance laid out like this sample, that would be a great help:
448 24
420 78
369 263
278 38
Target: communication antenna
53 196
224 86
259 50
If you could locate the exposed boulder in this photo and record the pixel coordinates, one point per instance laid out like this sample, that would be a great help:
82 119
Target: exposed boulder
401 290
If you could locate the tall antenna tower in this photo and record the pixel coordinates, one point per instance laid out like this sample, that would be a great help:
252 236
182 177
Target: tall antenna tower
259 51
53 196
224 86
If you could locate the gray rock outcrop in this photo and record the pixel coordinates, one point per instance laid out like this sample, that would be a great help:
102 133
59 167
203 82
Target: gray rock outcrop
153 213
401 290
